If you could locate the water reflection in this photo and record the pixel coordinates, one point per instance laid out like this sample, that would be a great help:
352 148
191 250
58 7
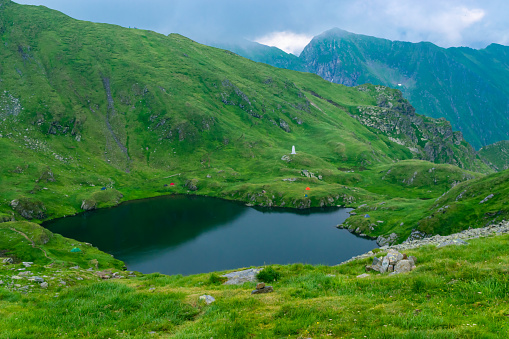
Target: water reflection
186 235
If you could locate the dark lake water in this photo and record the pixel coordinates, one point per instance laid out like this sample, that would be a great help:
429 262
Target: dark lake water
189 234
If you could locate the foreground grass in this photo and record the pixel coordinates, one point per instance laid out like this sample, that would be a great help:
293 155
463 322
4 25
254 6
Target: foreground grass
455 292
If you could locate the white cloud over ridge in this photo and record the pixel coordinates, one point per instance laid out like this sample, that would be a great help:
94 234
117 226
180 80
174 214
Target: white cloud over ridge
445 24
287 41
472 23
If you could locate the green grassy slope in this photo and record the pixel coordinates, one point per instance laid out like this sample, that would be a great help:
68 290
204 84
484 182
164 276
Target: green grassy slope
455 292
467 87
497 154
94 114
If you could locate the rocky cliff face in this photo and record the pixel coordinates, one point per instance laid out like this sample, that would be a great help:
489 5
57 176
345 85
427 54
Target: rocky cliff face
469 88
429 139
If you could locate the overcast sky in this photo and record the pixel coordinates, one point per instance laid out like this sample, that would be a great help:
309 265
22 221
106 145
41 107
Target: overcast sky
290 24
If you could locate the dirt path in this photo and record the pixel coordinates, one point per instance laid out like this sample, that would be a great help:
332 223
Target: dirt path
32 242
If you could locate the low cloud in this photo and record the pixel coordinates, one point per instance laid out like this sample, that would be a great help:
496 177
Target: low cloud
444 24
287 41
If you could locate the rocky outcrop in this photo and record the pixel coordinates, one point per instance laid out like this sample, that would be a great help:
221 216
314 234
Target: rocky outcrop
441 241
394 261
388 240
29 208
429 139
88 205
240 277
191 185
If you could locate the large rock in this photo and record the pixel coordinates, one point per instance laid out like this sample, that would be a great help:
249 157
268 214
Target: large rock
208 299
394 256
389 240
403 266
240 277
385 264
88 205
7 261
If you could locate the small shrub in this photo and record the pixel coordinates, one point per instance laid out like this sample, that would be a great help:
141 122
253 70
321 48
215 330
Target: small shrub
214 279
268 274
376 250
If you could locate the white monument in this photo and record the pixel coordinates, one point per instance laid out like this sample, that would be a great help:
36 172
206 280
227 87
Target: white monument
293 150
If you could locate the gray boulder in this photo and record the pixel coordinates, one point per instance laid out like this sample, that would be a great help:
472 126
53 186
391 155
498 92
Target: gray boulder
385 264
88 205
486 199
240 277
394 256
452 242
402 266
7 261
389 240
207 298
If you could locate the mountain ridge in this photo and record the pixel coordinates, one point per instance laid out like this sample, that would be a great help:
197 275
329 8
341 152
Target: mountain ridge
87 107
466 86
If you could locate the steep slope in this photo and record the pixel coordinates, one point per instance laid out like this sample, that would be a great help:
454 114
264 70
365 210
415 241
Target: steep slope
262 53
467 87
95 114
497 154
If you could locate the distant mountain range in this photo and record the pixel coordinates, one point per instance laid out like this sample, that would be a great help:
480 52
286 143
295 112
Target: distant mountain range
468 87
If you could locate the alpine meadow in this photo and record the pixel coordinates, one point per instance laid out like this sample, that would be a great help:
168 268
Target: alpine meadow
93 115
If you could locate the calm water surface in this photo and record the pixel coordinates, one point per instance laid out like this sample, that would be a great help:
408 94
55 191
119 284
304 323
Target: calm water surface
188 235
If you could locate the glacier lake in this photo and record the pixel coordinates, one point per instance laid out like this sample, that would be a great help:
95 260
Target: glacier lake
192 234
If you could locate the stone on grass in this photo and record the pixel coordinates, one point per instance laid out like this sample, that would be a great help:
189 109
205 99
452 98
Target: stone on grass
264 289
385 265
452 242
44 285
207 298
8 261
394 256
403 266
37 279
240 277
365 275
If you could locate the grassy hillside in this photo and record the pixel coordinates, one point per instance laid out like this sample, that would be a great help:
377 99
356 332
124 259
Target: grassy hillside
455 292
467 87
497 154
94 114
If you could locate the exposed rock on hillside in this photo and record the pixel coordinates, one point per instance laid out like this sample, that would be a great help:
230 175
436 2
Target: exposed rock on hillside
29 208
429 139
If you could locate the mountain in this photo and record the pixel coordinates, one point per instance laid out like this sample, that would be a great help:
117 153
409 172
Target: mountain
262 53
497 154
467 87
95 114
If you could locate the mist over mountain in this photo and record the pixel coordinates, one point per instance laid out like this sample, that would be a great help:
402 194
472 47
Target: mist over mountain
466 86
